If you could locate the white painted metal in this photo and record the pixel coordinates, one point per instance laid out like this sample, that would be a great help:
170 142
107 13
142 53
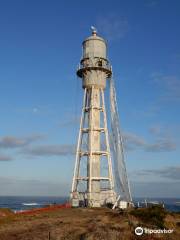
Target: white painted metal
94 67
94 70
88 181
90 143
116 202
123 204
91 129
94 46
107 143
75 202
77 162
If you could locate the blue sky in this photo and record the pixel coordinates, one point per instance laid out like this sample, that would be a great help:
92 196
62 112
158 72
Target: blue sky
41 97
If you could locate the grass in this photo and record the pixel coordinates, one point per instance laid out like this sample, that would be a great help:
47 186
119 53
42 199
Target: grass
86 224
154 215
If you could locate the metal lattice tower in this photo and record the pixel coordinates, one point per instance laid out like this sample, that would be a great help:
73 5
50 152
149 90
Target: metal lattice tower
93 176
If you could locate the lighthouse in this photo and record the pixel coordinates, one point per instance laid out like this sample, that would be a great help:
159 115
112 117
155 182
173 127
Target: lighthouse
93 181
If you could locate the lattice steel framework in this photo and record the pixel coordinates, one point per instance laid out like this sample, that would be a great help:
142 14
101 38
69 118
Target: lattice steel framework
93 150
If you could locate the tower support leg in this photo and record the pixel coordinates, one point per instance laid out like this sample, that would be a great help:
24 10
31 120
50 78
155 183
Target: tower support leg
93 134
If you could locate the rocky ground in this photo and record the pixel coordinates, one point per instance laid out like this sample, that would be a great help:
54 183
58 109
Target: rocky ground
87 224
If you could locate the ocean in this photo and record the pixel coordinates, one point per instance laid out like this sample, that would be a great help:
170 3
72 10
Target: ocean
25 203
170 204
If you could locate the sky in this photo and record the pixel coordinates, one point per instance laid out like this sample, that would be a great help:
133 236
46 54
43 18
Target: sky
41 96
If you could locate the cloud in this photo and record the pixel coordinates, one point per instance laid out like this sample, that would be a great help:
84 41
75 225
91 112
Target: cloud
172 173
50 150
155 189
32 187
169 84
161 144
155 129
151 3
132 140
5 158
17 142
75 120
168 172
113 27
23 144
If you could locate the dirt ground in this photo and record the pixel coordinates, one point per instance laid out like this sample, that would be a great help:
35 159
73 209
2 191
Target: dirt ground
79 224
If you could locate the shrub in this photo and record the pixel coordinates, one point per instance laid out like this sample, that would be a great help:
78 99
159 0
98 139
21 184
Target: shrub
178 224
154 215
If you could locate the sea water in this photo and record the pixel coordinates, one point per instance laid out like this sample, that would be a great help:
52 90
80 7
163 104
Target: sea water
17 203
